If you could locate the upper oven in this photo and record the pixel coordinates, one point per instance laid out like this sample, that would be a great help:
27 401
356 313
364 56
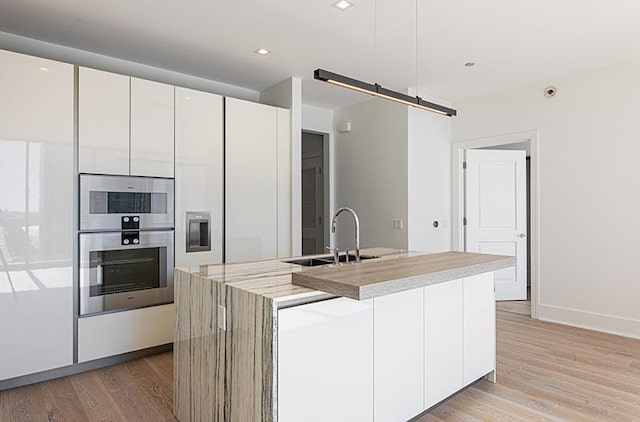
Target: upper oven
125 202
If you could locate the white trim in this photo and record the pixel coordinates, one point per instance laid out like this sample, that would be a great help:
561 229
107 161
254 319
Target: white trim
610 324
457 197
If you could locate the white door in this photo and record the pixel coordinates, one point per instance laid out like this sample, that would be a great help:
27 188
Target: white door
495 207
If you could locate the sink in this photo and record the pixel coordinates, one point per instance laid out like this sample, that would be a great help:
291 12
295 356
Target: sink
326 260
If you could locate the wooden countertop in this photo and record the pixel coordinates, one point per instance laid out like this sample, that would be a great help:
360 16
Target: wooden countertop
378 277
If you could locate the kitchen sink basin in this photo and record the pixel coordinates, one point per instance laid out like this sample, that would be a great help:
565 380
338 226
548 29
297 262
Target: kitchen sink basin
327 260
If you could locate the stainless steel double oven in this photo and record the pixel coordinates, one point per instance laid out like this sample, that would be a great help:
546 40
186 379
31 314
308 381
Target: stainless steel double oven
126 242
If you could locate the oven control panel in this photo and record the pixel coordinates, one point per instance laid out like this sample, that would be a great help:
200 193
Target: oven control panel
130 238
131 222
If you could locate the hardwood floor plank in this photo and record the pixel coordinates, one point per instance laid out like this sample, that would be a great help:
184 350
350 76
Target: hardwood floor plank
24 404
135 406
62 402
98 404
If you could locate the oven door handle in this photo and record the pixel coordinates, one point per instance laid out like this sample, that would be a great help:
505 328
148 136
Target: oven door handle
99 275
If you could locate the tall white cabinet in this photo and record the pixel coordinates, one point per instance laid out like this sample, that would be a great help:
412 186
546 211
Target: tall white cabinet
199 170
36 224
257 181
125 125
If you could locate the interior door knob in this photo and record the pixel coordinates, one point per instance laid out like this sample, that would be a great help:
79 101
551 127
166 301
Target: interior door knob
522 235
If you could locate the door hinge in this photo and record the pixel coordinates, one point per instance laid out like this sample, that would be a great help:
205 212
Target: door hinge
464 165
320 221
320 171
464 221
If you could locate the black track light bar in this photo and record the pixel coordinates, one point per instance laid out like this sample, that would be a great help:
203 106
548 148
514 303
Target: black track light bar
379 91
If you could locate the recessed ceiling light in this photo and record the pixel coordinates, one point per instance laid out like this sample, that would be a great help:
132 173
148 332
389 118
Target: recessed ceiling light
262 51
44 69
469 64
342 4
187 98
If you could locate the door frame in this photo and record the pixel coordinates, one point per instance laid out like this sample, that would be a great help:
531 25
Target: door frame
457 184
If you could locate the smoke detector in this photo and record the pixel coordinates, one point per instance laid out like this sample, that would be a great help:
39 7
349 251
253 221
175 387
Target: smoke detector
550 91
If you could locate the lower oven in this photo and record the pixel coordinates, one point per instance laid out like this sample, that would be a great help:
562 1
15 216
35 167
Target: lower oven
125 270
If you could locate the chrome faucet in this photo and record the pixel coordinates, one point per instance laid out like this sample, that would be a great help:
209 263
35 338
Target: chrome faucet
333 230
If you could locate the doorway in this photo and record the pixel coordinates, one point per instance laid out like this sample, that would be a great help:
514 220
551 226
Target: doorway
314 191
528 142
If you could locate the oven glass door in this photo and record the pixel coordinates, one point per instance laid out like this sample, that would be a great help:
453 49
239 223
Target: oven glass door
114 276
105 200
127 270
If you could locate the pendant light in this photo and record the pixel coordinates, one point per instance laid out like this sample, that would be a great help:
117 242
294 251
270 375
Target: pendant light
377 90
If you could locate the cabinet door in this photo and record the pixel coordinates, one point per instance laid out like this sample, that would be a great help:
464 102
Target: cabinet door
199 149
399 355
115 333
36 217
479 326
103 122
443 345
325 362
251 181
152 136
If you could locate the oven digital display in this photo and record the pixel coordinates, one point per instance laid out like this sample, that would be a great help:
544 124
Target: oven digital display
101 202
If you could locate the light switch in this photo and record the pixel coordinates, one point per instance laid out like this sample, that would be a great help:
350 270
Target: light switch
222 318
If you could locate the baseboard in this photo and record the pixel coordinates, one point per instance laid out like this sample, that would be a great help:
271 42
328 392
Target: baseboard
82 367
609 324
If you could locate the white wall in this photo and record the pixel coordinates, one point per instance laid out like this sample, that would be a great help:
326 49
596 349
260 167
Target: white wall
320 120
371 175
61 53
589 204
429 181
288 94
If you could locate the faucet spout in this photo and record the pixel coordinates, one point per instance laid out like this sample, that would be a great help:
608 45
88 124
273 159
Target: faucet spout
357 223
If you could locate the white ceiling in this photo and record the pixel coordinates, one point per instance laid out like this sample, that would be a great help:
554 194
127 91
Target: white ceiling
513 42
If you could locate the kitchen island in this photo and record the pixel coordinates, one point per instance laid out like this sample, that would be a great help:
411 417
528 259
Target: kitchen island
253 345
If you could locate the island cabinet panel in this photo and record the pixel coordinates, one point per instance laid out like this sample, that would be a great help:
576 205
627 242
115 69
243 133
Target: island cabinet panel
479 326
399 355
325 362
36 215
443 319
152 128
103 122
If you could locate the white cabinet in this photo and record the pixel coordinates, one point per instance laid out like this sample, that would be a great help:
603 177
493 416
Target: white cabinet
115 333
36 214
152 125
443 345
479 326
325 362
399 355
386 359
257 174
125 125
199 170
103 122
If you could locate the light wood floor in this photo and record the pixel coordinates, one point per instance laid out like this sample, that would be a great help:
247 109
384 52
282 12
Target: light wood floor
546 372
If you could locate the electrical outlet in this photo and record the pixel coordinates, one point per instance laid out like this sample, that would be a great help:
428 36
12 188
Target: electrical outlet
397 224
